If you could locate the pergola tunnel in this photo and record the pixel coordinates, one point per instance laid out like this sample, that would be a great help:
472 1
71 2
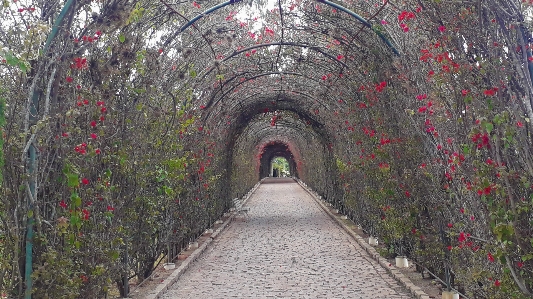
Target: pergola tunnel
129 126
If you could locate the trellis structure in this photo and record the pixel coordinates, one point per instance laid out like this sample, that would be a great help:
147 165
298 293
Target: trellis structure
412 117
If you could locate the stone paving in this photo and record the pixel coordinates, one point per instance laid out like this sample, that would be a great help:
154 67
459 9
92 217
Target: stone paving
287 247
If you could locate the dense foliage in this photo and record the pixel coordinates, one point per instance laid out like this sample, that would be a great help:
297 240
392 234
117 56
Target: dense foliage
144 129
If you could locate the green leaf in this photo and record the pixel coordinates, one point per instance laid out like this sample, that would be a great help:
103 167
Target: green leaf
466 149
22 66
504 232
488 126
73 180
75 221
192 73
114 255
122 38
76 199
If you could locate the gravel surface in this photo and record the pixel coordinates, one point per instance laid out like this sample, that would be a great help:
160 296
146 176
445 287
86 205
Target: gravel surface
286 247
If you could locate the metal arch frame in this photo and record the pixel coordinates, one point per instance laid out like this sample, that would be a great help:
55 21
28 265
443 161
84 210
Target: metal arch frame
364 22
312 48
213 104
329 3
281 73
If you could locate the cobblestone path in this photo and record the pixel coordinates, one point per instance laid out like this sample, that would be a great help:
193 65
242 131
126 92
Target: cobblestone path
288 248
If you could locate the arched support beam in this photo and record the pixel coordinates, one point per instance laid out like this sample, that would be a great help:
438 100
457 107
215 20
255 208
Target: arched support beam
337 6
312 48
198 17
364 22
213 102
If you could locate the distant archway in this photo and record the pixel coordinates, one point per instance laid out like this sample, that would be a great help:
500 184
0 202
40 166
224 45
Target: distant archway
274 151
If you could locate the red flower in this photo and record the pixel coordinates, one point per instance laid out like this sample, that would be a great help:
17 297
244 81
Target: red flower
422 109
413 230
462 210
450 225
519 264
519 124
490 257
86 214
85 181
464 92
487 190
407 194
63 204
442 28
103 110
93 124
94 136
340 57
200 129
381 86
421 97
450 248
489 92
79 63
497 283
110 208
97 151
69 79
269 31
462 237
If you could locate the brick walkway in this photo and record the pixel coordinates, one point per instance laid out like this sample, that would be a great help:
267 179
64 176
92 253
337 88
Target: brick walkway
288 248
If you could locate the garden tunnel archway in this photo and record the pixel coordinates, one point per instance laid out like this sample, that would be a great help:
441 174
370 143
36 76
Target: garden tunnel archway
280 167
269 153
413 118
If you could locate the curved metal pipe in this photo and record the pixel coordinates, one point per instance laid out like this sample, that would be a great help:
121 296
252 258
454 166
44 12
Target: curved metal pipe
337 6
198 17
312 48
363 21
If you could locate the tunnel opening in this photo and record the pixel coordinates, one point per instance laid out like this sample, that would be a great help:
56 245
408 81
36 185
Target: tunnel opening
277 160
279 167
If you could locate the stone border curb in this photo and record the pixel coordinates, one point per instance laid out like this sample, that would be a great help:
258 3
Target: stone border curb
393 271
172 278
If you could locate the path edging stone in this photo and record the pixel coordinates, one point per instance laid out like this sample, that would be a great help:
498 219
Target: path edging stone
174 276
393 271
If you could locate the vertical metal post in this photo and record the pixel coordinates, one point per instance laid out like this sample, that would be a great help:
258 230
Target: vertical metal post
32 162
447 242
32 171
125 280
